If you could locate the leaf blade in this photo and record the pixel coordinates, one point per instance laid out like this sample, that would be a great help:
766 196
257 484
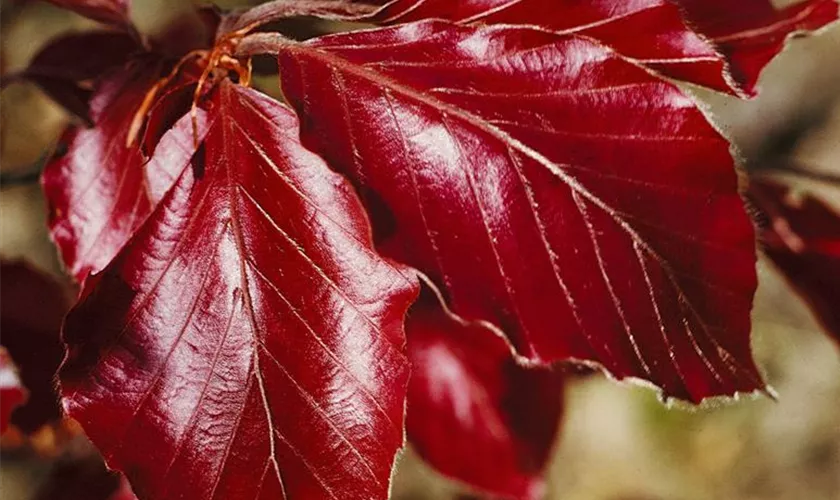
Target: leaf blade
470 183
270 327
473 413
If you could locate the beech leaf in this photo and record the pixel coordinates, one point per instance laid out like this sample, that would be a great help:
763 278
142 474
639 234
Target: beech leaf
31 311
246 342
80 475
548 187
66 66
751 32
802 238
12 392
473 413
723 45
96 185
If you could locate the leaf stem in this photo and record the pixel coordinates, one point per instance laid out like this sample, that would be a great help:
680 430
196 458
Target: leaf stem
23 177
803 173
262 43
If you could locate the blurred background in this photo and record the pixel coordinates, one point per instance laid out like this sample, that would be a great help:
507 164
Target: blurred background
618 442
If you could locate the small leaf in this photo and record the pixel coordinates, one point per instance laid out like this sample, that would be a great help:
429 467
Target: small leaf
96 191
31 311
113 12
82 474
473 413
548 187
64 68
12 392
247 341
802 238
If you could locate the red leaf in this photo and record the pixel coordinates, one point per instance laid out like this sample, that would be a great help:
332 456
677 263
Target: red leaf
96 189
12 392
745 35
83 56
31 311
548 187
77 476
67 63
473 413
802 238
246 342
751 32
650 31
113 12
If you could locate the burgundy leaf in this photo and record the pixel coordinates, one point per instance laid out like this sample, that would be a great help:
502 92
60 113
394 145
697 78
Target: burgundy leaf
723 46
95 186
12 392
65 66
31 311
802 238
567 197
473 413
751 32
77 476
83 56
247 342
113 12
650 31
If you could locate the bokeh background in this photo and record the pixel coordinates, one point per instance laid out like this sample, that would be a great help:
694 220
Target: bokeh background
618 442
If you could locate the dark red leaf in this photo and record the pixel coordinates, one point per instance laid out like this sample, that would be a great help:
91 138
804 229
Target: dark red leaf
650 31
567 197
97 189
751 32
31 311
12 392
83 56
77 476
723 46
247 342
473 413
802 238
65 67
113 12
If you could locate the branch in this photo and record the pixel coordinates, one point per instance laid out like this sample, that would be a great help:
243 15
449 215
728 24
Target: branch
29 175
262 43
828 178
282 9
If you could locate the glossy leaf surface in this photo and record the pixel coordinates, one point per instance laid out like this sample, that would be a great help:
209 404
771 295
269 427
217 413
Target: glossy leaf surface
473 413
719 43
247 342
650 31
751 32
113 12
32 306
802 238
569 198
12 392
96 185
